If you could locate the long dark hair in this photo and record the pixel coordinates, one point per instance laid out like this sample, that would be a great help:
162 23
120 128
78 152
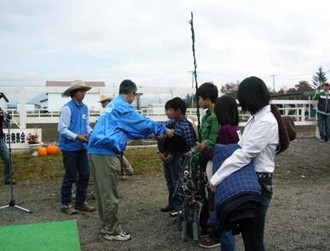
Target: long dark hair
226 110
253 94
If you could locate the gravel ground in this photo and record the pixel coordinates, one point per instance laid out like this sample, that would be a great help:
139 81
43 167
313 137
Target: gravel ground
298 218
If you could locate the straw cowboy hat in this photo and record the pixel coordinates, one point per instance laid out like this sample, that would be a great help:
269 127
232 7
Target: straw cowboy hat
105 98
76 85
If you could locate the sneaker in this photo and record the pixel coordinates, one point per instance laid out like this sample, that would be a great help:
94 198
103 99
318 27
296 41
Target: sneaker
167 208
209 242
174 214
68 209
122 236
205 231
85 207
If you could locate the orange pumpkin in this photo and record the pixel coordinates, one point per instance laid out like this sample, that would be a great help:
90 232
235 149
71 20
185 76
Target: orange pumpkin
42 151
53 150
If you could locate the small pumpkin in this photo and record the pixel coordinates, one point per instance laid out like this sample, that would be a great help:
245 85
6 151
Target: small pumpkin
42 151
53 150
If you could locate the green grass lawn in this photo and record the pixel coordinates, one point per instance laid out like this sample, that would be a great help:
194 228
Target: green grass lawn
28 167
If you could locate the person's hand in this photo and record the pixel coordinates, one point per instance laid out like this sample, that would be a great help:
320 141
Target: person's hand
160 137
162 157
170 133
200 146
83 138
212 188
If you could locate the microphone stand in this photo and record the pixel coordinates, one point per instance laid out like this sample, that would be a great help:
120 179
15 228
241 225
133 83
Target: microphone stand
12 202
12 119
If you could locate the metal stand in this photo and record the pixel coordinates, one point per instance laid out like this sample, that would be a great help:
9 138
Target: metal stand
12 202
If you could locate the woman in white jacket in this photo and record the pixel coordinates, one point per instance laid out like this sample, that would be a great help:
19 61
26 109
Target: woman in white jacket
258 144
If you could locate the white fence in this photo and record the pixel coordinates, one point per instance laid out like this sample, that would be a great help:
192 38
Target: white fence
302 111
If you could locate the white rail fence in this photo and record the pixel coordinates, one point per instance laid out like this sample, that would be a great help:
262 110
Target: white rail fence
302 111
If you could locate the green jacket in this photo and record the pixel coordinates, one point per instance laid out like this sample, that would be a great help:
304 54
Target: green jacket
209 129
209 132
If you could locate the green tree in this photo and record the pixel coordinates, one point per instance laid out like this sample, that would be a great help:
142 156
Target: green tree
230 89
190 101
319 78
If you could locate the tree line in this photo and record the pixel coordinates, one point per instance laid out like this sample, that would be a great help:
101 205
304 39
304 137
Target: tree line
301 91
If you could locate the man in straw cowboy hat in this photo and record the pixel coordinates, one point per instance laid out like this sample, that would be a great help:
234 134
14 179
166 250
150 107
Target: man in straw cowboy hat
105 100
127 168
74 130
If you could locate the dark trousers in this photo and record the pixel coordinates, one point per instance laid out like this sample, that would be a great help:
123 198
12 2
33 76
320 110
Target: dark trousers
324 126
76 170
4 154
253 234
172 173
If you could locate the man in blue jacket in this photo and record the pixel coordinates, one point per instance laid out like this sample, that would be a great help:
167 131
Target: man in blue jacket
118 122
74 130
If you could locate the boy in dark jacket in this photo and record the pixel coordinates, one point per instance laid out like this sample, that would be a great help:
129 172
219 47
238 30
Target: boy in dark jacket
183 140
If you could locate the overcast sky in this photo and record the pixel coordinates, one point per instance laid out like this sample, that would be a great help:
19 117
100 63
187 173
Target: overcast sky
150 41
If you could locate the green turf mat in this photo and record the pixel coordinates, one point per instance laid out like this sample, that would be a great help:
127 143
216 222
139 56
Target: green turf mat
57 235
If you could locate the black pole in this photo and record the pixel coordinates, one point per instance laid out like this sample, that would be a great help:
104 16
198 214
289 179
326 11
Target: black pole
195 71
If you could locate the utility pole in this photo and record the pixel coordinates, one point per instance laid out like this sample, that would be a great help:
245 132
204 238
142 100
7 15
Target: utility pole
273 82
192 78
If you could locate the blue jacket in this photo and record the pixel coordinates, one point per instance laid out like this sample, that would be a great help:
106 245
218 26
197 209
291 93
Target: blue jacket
118 122
79 124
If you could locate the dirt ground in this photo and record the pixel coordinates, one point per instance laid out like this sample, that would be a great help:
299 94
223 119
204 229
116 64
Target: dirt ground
298 218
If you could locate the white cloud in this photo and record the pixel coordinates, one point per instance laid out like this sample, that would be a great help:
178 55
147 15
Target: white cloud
150 41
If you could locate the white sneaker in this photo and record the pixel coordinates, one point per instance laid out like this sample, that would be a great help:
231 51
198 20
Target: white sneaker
120 237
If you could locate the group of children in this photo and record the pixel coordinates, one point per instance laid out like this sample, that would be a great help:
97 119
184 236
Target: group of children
219 126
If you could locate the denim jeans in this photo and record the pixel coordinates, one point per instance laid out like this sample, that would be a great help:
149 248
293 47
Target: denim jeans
253 236
4 154
227 241
75 162
324 126
172 173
